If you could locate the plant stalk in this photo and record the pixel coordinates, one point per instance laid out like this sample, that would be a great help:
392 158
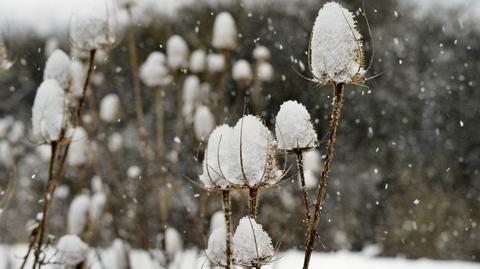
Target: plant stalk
335 118
252 202
227 211
301 172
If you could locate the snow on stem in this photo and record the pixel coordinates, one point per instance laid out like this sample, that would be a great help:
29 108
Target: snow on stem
334 120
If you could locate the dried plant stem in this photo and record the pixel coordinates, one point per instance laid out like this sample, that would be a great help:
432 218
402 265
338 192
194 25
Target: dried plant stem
301 172
180 79
252 202
335 117
160 153
227 211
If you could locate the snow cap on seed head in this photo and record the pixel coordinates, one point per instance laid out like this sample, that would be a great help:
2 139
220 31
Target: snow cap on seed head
242 71
90 29
58 68
251 244
265 72
154 71
215 63
224 32
198 61
72 251
336 52
217 246
48 112
293 127
177 53
261 53
110 108
203 122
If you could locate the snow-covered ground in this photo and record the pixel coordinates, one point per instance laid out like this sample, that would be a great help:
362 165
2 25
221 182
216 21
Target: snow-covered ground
286 260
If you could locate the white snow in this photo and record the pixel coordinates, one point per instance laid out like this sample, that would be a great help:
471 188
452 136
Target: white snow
115 142
261 53
312 160
173 242
98 202
78 78
203 122
48 112
58 67
336 45
251 244
71 251
44 152
215 63
6 155
17 132
134 172
154 72
177 53
217 220
191 95
90 29
110 108
216 251
78 218
224 32
293 127
198 61
78 152
242 71
265 72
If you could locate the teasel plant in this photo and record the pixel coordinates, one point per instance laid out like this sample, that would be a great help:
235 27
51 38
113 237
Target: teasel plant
53 115
296 136
336 57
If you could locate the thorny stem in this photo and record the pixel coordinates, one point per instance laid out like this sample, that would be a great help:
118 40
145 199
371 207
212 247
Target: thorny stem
142 131
54 177
335 117
252 202
227 211
301 172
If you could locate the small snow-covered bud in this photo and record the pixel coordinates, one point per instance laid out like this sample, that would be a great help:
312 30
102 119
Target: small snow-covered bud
293 127
217 221
312 160
6 154
154 72
97 206
58 68
336 46
217 247
77 220
78 152
203 122
110 108
71 252
198 61
44 152
191 94
134 172
177 53
48 112
173 242
78 79
224 32
258 149
242 72
251 244
216 157
50 46
16 132
215 63
261 53
265 72
90 30
115 142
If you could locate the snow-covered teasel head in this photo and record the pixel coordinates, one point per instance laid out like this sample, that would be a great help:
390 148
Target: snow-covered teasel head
294 129
265 72
217 247
177 53
115 142
71 252
58 67
79 150
217 221
215 63
224 32
261 54
110 108
78 215
154 71
48 112
198 61
336 49
312 160
242 72
134 172
203 122
252 246
91 29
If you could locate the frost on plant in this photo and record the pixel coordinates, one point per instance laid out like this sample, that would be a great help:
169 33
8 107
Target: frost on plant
48 112
252 246
58 68
154 71
336 53
71 252
294 128
265 72
224 32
